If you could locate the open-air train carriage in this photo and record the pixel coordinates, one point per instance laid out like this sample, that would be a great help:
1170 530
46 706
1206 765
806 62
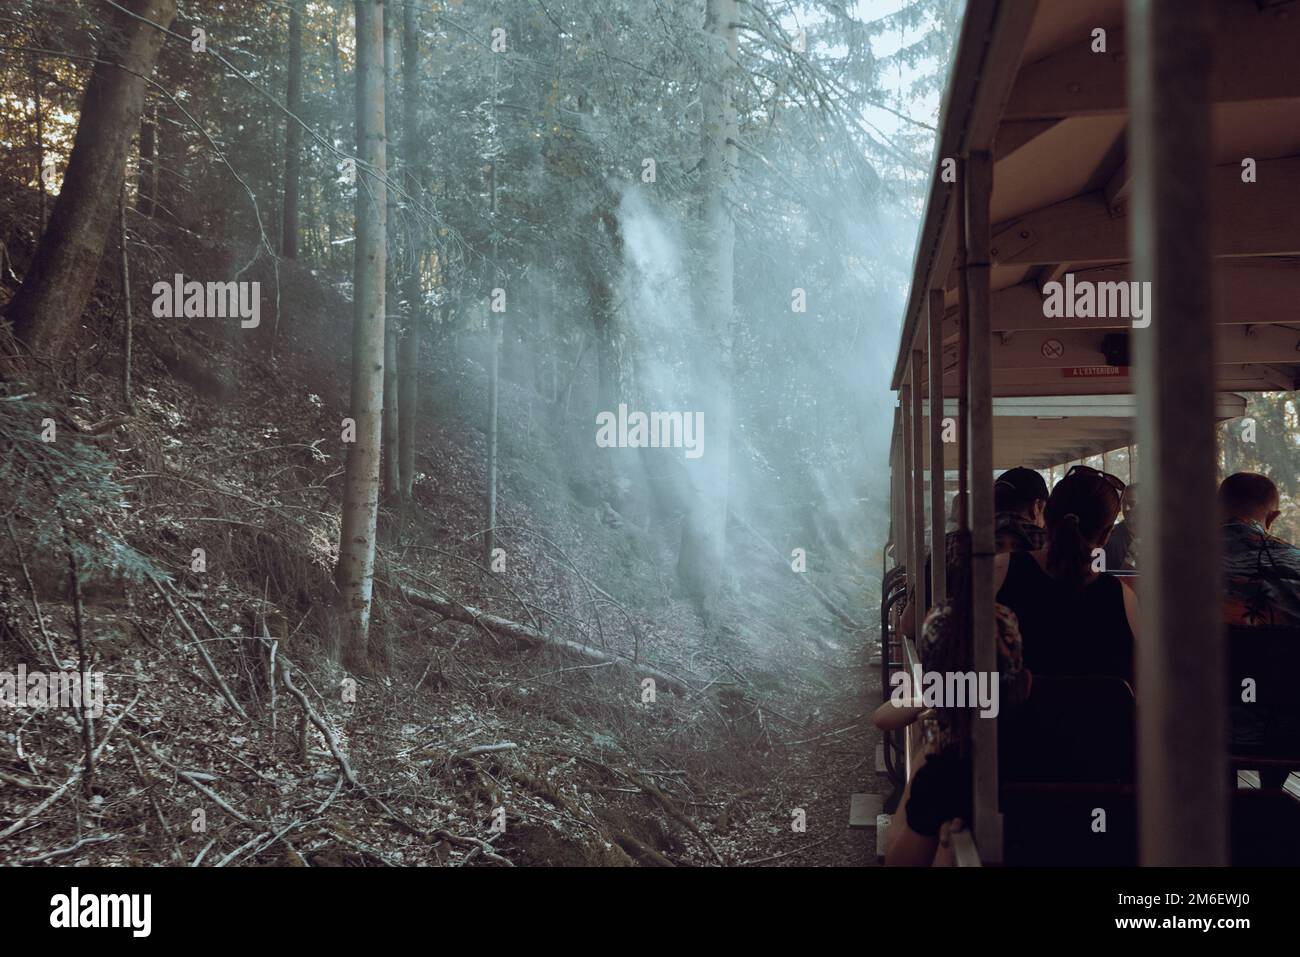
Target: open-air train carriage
1094 143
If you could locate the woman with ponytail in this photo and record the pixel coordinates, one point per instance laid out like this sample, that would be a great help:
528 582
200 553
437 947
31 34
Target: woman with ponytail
1075 619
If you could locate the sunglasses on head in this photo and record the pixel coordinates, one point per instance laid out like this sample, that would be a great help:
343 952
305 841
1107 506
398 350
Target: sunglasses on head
1114 481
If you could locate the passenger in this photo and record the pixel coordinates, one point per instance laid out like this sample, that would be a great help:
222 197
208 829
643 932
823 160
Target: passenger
1261 587
940 788
1262 572
1019 499
1121 550
939 792
1075 619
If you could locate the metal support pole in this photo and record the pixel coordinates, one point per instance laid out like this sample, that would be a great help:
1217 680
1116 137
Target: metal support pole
907 540
934 356
917 480
1182 780
979 187
896 490
963 360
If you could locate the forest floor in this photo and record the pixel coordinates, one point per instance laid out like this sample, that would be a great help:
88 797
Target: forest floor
458 745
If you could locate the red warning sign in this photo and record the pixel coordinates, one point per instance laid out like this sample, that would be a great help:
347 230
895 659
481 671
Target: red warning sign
1096 372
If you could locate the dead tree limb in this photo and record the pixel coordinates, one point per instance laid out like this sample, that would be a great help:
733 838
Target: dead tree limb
19 824
203 652
469 615
36 603
191 779
674 812
344 765
643 851
330 741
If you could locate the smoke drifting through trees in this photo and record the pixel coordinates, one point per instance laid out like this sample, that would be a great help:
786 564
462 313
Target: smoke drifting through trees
569 326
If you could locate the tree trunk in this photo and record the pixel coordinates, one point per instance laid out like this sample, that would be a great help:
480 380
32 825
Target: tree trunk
392 474
127 319
341 113
408 354
48 306
392 460
40 136
292 136
356 567
494 381
701 564
609 376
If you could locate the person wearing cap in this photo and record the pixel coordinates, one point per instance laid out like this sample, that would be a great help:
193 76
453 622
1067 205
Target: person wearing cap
1019 500
1076 618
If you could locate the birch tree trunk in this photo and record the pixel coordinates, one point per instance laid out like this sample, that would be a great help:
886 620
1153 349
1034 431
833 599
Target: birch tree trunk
494 386
356 567
701 558
62 274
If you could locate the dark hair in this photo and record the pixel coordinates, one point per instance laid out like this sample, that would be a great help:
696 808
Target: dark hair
1080 511
1247 493
1017 489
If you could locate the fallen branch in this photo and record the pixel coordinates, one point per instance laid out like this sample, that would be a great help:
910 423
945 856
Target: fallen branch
673 811
344 765
777 857
485 749
19 824
587 583
191 779
31 588
64 851
203 652
331 742
272 834
530 636
484 848
24 783
630 844
157 808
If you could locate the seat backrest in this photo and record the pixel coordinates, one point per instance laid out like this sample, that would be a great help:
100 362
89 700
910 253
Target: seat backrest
1265 659
1071 730
1270 656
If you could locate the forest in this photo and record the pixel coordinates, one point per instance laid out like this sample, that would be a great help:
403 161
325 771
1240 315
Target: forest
450 433
456 432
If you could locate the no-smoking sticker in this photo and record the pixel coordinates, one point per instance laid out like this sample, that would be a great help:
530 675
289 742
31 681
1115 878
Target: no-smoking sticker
1052 349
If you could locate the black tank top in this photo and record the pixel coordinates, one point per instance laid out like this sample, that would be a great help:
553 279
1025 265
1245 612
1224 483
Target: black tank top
1068 631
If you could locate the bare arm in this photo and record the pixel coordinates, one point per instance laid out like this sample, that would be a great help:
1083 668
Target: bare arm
1001 562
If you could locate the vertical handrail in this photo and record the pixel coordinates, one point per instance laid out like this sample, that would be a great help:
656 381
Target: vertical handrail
905 487
1182 794
917 487
984 733
934 356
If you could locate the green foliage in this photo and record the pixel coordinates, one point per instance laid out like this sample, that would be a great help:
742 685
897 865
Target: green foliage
1274 450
